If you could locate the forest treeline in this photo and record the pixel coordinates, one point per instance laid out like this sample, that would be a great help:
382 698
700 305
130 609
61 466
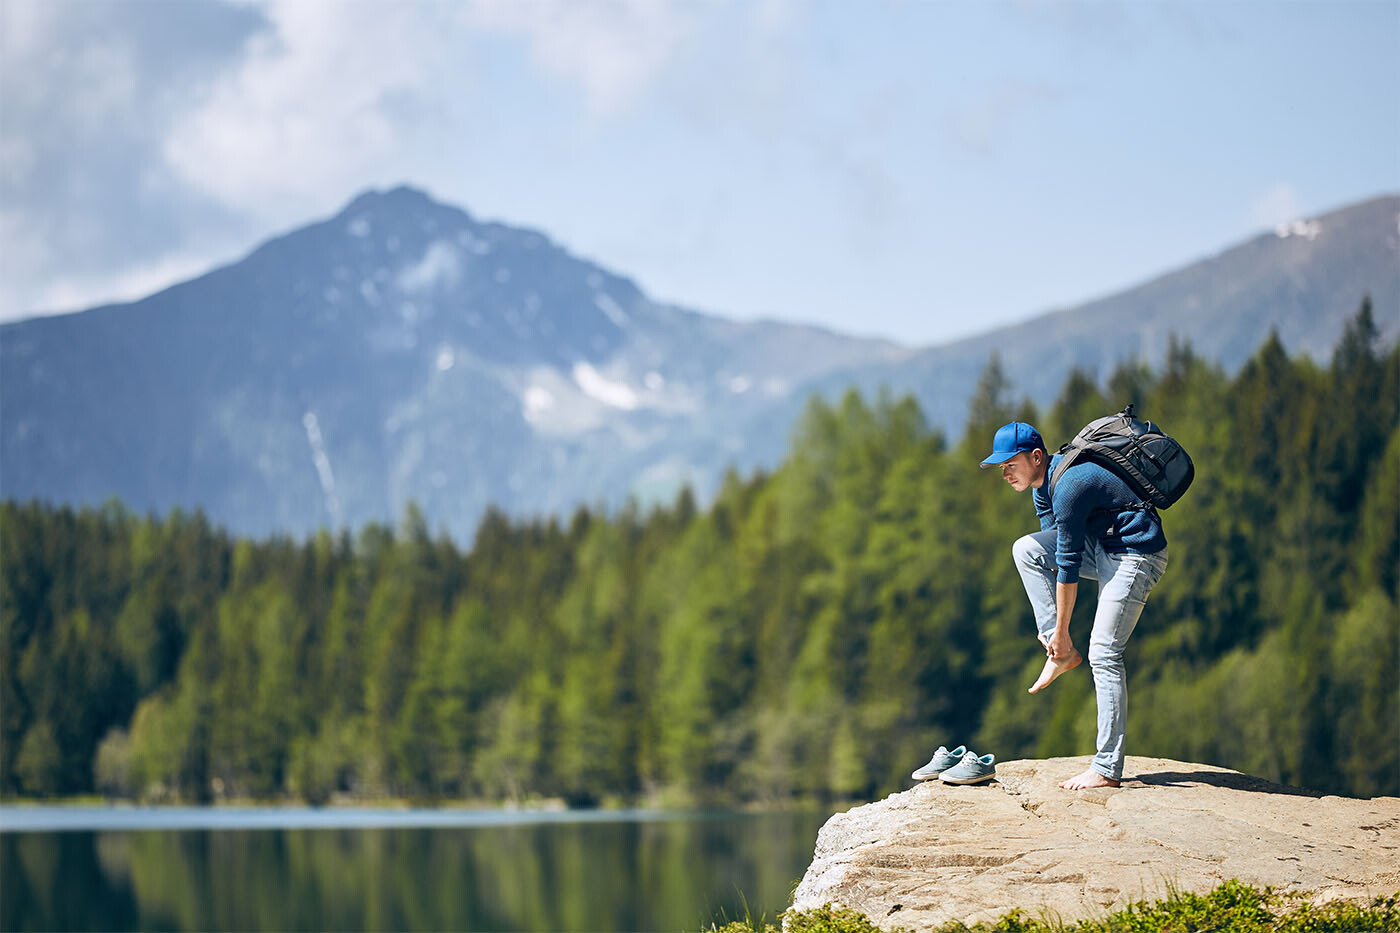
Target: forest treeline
814 634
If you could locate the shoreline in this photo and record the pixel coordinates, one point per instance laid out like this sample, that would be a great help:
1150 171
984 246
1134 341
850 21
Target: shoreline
126 816
354 802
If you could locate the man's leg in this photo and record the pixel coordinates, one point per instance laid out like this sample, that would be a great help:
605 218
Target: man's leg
1035 561
1125 581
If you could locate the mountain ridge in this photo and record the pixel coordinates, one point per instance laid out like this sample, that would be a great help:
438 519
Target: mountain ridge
1037 353
396 333
402 350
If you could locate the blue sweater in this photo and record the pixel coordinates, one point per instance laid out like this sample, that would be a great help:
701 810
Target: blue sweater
1093 500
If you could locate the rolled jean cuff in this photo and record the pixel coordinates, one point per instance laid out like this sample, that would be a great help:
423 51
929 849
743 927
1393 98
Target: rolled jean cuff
1101 773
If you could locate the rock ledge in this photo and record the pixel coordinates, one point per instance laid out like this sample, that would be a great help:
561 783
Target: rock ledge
941 852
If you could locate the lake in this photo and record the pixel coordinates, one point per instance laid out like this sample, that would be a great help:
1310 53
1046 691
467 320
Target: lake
122 868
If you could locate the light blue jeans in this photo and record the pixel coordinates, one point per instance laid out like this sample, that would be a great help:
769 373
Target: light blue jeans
1124 582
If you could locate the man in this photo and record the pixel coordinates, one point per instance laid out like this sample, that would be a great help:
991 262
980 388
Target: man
1092 526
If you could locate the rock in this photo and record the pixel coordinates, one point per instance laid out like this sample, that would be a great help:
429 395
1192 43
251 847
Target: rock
941 852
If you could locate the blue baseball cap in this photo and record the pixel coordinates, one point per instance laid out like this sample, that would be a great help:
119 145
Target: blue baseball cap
1012 439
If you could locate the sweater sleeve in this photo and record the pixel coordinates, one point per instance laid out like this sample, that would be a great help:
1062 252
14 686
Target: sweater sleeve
1071 512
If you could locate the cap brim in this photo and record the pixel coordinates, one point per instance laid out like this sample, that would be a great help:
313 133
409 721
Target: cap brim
996 459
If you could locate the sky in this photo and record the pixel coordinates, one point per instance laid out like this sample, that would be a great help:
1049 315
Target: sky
918 171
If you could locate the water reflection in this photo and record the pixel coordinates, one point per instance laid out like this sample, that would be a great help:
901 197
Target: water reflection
669 874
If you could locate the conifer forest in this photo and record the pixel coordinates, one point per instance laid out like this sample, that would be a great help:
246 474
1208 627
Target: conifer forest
810 635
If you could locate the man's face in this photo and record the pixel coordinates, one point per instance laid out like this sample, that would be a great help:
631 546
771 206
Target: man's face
1022 470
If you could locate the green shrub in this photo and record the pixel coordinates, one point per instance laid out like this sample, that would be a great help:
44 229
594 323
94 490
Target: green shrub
1233 906
828 919
823 919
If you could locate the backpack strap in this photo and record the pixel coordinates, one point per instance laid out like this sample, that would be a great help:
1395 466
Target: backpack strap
1068 455
1071 454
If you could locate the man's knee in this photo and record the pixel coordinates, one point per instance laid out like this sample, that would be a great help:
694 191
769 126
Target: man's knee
1026 550
1104 656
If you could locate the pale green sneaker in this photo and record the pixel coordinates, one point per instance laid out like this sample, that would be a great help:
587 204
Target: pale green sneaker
971 770
941 761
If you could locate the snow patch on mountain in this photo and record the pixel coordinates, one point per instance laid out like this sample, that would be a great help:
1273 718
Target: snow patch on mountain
472 244
1307 229
611 308
596 385
323 465
440 266
554 404
538 401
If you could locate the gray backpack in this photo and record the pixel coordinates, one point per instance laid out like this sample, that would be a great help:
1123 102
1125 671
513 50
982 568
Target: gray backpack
1149 460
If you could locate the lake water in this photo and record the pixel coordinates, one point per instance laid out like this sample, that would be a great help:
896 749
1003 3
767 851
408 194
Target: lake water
88 868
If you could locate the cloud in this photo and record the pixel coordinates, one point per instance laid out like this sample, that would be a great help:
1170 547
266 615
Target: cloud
128 284
1275 207
611 49
986 121
142 136
336 94
319 103
89 90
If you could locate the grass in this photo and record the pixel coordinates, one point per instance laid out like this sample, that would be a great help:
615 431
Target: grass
1234 906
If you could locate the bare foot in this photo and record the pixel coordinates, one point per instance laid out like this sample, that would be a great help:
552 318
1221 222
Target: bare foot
1090 778
1054 668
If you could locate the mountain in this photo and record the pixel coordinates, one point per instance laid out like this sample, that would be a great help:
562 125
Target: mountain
405 351
400 351
1304 279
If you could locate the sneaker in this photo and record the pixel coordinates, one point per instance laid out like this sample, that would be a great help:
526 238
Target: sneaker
941 761
971 770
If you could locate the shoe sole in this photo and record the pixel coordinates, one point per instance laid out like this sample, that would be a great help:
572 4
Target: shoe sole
971 780
925 777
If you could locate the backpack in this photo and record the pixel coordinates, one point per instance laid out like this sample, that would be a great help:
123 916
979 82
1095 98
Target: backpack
1149 460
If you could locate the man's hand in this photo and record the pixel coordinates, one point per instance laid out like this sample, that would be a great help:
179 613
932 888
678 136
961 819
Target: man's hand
1060 657
1059 646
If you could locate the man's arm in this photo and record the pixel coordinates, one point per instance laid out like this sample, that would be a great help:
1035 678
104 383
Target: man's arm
1073 503
1060 645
